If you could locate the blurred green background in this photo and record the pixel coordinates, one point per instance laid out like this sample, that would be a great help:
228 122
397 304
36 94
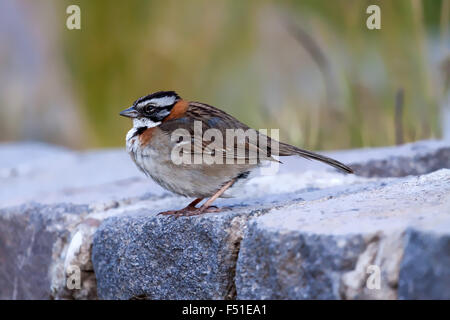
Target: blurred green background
310 68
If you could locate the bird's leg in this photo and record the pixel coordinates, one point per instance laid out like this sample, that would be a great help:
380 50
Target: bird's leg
194 203
188 208
206 207
208 203
191 210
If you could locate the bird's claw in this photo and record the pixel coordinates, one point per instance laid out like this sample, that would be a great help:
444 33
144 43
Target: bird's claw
190 211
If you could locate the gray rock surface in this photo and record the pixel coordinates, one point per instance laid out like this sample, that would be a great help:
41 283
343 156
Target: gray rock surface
306 232
323 248
430 280
410 159
152 257
48 174
32 242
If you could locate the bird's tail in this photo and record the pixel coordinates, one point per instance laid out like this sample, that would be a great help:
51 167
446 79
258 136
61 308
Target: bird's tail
288 150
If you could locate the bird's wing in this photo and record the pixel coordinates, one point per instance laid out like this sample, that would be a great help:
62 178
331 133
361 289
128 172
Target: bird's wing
206 129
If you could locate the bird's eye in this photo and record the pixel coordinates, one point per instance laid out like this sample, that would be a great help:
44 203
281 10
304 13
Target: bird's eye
148 109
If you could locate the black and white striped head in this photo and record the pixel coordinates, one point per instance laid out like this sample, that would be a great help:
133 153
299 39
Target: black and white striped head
150 110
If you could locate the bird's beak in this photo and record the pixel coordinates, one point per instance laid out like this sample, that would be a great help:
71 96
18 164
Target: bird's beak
130 113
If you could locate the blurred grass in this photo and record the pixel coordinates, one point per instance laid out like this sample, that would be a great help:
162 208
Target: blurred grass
239 56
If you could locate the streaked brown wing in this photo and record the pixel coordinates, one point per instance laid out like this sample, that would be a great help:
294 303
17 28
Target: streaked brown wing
247 147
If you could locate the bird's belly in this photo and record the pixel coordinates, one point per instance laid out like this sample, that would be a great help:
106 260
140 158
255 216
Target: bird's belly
190 180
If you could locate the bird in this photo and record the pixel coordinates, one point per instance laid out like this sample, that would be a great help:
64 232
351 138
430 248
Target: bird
164 131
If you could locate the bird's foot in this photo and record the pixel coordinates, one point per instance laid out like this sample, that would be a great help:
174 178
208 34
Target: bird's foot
190 211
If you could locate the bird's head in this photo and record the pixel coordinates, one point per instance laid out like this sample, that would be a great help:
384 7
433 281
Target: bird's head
150 110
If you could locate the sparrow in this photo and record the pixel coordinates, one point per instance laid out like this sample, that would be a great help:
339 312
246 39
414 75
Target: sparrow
151 144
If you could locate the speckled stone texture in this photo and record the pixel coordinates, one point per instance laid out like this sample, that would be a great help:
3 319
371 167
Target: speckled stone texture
425 267
32 239
155 257
322 249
